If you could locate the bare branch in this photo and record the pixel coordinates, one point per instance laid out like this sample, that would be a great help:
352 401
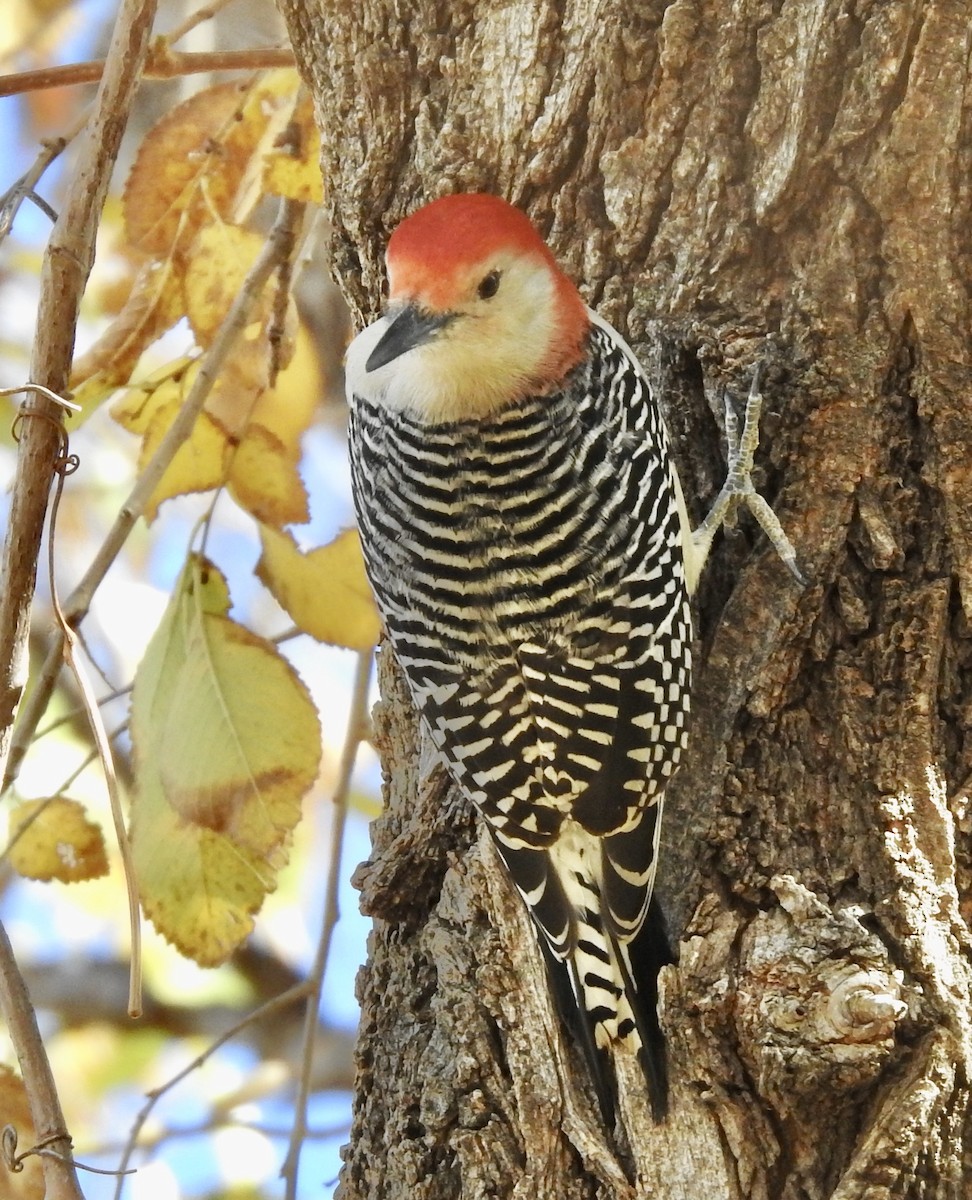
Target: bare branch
67 265
45 1108
25 186
162 63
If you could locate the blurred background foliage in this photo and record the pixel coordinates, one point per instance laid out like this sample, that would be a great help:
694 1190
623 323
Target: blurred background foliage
223 1130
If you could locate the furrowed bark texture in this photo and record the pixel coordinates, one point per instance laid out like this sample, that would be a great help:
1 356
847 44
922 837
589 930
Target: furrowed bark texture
730 183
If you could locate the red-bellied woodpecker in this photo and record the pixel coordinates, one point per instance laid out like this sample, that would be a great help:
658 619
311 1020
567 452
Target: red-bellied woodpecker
525 534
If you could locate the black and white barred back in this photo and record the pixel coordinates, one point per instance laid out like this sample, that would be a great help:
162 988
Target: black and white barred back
529 571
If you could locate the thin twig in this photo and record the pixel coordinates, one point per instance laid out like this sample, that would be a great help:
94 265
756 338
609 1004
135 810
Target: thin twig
162 63
72 714
206 13
26 185
278 247
356 731
284 1000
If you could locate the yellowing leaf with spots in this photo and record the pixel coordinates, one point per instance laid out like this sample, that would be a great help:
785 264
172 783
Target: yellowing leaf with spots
226 742
188 168
219 259
326 592
55 839
297 176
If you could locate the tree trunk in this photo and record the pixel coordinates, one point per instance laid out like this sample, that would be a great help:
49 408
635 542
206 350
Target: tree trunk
730 184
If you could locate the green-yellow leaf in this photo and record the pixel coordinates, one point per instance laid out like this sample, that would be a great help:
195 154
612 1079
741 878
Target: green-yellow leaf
227 742
55 839
198 889
326 592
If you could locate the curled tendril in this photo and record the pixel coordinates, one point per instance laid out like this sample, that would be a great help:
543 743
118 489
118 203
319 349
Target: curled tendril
14 1162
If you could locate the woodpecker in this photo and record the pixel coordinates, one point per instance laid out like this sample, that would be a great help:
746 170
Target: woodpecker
528 544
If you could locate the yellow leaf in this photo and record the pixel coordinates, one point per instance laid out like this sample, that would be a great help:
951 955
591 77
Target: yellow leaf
154 304
54 839
197 887
219 259
297 176
200 463
241 384
288 408
264 479
267 425
297 179
326 592
268 111
27 1184
228 444
204 159
226 743
137 407
186 171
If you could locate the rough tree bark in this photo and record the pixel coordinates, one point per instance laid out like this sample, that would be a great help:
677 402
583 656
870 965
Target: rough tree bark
730 183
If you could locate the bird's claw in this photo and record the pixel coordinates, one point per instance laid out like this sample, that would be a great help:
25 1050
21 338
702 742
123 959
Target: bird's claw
738 487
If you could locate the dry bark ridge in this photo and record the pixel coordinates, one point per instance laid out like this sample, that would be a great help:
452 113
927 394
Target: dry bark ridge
712 174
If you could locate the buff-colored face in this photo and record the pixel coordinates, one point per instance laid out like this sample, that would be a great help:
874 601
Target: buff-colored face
467 334
491 349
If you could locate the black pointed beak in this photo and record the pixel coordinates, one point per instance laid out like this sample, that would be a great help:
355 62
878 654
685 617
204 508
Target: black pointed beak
409 329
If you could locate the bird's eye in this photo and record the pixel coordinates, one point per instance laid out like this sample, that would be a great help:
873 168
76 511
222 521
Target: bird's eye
489 286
